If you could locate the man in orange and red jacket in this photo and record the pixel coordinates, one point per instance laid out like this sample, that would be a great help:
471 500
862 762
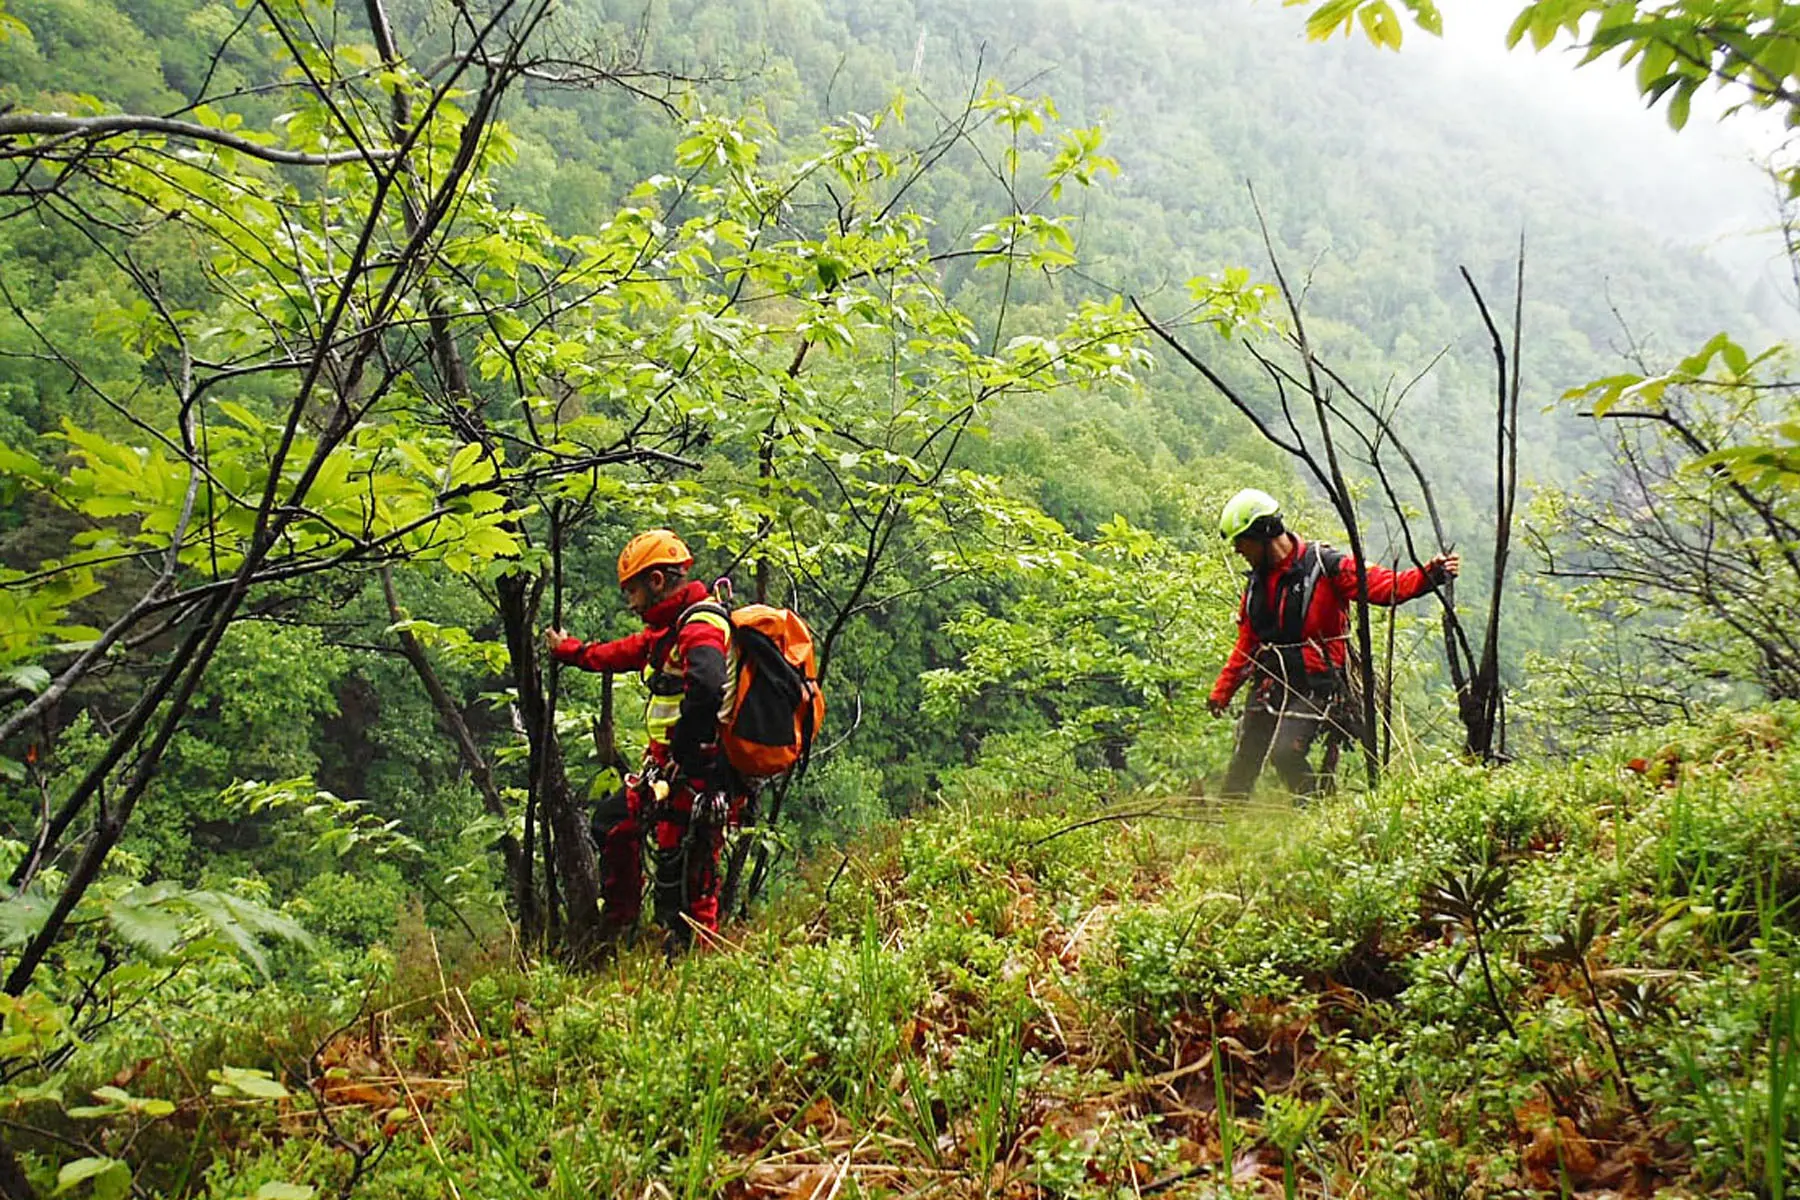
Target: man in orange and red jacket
1293 621
682 652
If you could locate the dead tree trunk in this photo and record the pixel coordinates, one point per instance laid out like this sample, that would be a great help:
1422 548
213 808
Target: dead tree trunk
1475 676
1482 704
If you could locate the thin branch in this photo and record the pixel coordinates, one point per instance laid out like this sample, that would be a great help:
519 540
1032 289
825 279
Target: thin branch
13 125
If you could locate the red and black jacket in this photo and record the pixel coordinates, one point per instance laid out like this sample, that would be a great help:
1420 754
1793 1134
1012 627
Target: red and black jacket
1293 619
685 658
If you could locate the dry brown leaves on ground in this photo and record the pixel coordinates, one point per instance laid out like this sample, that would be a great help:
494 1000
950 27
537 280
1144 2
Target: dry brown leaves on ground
395 1077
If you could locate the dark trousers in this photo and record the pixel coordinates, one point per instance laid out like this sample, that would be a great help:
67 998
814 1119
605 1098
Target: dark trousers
1280 725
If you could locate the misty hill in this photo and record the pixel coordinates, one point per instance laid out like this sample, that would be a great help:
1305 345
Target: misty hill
1380 175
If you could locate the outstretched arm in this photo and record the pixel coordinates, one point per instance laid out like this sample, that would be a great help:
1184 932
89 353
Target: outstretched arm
1397 587
630 653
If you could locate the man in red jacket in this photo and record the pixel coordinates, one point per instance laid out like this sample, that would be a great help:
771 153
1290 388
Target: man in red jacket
682 655
1293 623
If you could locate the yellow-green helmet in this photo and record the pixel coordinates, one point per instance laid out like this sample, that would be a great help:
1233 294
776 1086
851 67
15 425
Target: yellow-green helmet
1250 512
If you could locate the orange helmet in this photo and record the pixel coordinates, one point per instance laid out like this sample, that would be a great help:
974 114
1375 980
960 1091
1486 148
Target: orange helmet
653 548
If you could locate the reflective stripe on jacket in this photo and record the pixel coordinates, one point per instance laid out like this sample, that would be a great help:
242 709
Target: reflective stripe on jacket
683 671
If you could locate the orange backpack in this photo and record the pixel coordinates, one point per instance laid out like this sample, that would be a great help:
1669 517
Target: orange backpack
772 706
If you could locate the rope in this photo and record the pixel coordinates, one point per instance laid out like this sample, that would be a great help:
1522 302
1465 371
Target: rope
1278 681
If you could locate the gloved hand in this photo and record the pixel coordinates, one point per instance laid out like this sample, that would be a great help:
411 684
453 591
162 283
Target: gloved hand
652 785
1443 567
1217 707
562 646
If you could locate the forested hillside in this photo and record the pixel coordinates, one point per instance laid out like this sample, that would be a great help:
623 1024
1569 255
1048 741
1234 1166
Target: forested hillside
1378 177
344 346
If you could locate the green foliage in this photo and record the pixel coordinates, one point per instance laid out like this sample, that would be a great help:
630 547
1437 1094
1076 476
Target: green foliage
1376 17
921 421
1696 475
339 827
994 965
1748 1129
109 1178
1680 47
11 26
1109 642
1744 46
1735 370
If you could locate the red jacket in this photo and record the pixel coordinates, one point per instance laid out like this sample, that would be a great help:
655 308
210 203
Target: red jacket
1326 621
692 655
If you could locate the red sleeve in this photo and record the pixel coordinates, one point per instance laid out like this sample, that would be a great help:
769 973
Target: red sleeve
1385 586
630 653
1239 663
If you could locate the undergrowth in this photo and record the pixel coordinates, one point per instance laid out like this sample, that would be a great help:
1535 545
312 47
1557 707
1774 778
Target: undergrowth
1566 979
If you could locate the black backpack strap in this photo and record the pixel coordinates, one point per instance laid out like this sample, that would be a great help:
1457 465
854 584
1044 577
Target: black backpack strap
1316 561
810 689
1322 561
659 654
705 607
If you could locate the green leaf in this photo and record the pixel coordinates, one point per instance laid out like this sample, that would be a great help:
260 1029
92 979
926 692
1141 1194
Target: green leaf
1697 362
258 1084
1380 25
1544 24
28 677
114 1184
1426 14
238 921
275 1190
241 415
23 466
490 541
50 1091
84 1169
467 465
1737 361
1520 27
1329 18
479 503
140 918
22 916
1679 104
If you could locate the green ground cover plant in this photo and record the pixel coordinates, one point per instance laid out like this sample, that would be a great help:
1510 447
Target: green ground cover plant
1573 981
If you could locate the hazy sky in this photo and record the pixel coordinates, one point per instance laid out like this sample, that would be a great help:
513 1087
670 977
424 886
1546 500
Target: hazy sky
1475 39
1707 187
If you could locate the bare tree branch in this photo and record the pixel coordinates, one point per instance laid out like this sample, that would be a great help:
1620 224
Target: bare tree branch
91 129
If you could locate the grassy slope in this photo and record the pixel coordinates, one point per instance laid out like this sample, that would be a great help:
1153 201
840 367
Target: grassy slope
1177 1003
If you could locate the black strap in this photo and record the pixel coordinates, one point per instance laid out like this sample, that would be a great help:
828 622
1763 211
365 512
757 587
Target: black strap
1282 627
705 606
1277 625
1322 560
659 654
